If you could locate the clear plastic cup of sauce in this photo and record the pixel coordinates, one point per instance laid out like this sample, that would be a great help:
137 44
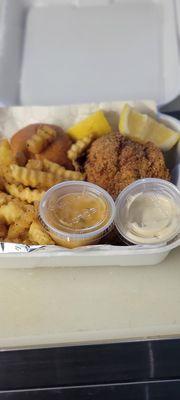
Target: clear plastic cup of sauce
77 213
148 212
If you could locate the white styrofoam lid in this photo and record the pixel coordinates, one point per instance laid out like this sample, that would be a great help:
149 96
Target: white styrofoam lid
98 50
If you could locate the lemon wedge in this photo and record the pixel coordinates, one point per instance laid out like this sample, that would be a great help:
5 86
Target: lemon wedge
95 123
142 128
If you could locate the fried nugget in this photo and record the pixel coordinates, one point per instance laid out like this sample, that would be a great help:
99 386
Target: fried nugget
20 138
114 162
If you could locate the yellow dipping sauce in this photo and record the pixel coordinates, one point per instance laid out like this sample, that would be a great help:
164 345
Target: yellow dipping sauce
79 211
77 217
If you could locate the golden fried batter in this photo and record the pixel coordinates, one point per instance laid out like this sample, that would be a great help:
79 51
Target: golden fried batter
114 162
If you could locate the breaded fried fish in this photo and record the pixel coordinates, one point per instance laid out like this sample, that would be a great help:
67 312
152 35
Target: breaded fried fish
113 162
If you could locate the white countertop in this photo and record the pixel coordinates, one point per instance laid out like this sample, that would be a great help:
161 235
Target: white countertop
70 305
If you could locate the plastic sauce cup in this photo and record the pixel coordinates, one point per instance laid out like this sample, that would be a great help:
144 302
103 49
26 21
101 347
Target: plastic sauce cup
148 212
77 213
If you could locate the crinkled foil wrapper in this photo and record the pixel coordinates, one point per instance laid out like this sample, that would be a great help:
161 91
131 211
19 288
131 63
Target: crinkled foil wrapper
21 248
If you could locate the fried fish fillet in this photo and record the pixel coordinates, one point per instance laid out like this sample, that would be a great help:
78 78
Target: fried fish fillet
113 162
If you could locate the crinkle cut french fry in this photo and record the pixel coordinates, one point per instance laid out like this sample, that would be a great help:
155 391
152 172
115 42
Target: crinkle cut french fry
35 164
10 212
56 169
38 235
4 198
52 167
36 206
79 147
22 224
5 172
38 142
6 156
24 193
33 178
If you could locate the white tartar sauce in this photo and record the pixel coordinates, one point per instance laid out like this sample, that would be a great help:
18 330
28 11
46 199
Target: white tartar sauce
152 217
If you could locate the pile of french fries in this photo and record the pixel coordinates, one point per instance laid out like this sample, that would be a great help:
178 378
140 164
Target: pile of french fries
21 189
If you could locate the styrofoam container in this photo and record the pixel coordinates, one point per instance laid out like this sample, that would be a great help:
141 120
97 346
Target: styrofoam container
75 51
92 255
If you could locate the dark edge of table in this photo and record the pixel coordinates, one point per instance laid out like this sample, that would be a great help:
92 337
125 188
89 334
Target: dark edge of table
124 362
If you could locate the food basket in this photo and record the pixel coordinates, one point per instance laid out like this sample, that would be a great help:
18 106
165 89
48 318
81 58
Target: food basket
103 56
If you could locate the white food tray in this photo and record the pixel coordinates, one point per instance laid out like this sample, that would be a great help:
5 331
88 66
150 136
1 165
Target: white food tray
14 118
74 51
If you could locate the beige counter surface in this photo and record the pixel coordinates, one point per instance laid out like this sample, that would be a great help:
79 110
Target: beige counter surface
70 305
